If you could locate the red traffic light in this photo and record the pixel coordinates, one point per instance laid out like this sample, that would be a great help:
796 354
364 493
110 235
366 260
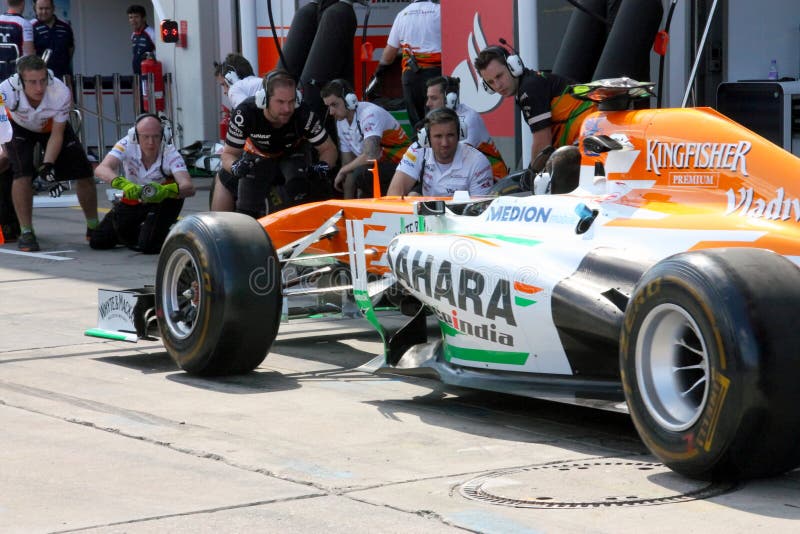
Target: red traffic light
169 31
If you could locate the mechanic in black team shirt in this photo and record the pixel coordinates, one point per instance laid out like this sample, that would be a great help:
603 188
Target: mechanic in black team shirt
263 132
553 115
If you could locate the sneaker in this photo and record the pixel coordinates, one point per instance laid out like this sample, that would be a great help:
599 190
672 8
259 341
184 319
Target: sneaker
27 242
89 234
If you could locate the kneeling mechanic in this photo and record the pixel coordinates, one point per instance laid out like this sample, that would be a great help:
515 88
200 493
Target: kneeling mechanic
154 184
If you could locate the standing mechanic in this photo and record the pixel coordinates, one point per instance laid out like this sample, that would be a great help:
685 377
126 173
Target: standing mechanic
553 116
51 33
263 132
440 165
366 132
143 38
238 81
154 184
416 33
39 106
443 93
16 37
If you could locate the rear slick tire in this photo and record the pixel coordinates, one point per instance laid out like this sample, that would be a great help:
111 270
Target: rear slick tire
709 357
218 294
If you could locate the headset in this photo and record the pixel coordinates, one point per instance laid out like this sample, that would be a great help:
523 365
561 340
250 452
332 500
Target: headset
263 94
451 90
346 93
166 135
512 61
17 85
166 129
229 74
424 134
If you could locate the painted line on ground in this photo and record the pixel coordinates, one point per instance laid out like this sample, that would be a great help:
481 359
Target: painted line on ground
40 255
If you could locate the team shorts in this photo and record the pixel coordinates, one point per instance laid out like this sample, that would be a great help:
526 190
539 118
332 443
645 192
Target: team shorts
71 163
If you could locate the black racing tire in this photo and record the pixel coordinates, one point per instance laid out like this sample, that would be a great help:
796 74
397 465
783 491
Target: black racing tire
709 358
218 294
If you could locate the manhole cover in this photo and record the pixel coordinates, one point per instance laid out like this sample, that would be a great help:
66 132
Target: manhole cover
589 484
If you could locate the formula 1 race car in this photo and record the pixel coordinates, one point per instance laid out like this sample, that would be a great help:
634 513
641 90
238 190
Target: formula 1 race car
664 283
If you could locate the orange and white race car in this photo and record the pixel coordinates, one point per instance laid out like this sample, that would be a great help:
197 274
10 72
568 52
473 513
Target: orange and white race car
664 284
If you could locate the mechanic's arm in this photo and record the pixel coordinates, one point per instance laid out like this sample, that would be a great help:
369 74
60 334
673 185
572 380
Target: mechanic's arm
54 142
27 48
401 184
326 150
229 156
108 168
372 150
388 56
541 139
185 185
342 175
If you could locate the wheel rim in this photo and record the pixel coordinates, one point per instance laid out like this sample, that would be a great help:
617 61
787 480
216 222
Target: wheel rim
672 368
181 295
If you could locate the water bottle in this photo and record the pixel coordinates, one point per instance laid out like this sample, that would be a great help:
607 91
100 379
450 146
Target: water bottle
773 70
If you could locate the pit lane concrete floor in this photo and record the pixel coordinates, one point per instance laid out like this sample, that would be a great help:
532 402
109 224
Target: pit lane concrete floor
100 436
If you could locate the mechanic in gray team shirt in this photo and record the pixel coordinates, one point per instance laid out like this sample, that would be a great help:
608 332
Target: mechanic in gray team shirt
439 164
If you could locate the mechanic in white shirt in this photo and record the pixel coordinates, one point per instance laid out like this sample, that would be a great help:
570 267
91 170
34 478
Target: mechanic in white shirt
443 92
440 163
416 34
38 105
238 81
154 184
366 132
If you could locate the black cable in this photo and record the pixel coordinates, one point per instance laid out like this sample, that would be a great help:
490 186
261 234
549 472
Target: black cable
364 63
275 34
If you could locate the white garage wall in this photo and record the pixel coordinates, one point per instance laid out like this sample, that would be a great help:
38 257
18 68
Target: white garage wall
761 31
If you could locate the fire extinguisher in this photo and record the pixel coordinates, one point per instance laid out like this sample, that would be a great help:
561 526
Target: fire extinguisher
224 117
151 65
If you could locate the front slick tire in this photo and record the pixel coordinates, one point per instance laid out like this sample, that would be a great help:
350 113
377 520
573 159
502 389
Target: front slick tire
709 363
218 294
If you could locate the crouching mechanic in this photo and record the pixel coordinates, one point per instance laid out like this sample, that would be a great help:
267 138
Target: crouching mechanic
238 81
270 127
38 107
154 184
366 132
443 92
438 164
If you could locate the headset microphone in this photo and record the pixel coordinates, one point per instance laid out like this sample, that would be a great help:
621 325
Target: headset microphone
505 43
513 61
